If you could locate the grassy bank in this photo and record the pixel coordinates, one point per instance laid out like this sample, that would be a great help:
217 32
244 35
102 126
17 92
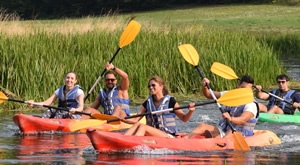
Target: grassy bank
35 55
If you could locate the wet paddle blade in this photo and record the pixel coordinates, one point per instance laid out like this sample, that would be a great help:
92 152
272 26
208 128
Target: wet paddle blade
85 124
3 97
237 97
129 34
189 53
223 71
239 142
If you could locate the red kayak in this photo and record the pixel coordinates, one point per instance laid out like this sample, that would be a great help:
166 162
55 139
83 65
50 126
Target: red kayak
29 124
112 141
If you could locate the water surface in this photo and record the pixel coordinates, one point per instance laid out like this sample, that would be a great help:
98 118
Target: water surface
77 149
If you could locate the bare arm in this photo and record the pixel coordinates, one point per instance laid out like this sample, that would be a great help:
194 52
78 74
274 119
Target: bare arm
206 91
50 100
124 82
260 94
181 115
96 103
80 103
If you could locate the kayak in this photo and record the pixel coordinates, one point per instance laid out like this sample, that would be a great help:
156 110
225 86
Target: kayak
116 142
279 118
29 124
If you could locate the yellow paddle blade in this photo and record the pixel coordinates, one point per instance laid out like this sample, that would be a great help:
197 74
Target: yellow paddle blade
239 142
85 124
3 97
129 34
223 71
103 116
189 53
237 97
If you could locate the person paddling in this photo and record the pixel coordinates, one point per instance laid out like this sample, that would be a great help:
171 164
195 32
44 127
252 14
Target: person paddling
161 124
278 106
243 118
69 96
114 99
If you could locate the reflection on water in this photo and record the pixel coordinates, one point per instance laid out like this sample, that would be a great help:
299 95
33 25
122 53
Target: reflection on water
76 148
293 67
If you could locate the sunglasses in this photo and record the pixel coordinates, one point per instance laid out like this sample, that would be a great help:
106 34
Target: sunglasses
281 82
110 79
151 85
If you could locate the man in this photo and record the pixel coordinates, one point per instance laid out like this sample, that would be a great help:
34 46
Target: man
243 118
114 99
278 106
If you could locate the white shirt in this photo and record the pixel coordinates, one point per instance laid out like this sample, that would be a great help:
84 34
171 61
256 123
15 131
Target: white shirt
250 107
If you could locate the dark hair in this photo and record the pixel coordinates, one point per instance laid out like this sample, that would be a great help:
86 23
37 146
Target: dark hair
247 79
282 77
71 72
160 81
110 72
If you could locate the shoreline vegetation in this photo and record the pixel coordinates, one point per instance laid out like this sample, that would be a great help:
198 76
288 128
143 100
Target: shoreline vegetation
250 39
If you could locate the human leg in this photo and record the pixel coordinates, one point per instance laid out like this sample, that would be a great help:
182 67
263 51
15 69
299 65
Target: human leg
146 130
276 110
90 111
201 128
132 130
262 108
119 112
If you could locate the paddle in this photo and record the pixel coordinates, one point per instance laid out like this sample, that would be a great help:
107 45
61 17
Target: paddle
4 98
190 54
233 97
129 34
227 73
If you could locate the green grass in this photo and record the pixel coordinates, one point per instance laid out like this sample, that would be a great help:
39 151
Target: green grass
250 39
257 18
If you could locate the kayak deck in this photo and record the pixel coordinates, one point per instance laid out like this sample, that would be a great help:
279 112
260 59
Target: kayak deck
111 142
279 118
29 124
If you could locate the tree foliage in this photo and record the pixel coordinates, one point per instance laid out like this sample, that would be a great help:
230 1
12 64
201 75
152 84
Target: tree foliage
53 9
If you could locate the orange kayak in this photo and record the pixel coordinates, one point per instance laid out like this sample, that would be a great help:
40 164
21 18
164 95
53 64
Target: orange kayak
113 141
29 124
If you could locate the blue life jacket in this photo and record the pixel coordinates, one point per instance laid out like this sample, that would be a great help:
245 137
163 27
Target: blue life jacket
288 109
163 121
247 128
69 100
110 100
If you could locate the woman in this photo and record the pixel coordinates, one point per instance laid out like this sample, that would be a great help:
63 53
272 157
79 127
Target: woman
69 96
160 124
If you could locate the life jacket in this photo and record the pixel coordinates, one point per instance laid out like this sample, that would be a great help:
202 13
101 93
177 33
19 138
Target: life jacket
247 128
110 100
288 109
68 101
163 121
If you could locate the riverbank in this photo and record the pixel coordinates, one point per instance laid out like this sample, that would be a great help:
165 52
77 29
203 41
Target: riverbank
37 54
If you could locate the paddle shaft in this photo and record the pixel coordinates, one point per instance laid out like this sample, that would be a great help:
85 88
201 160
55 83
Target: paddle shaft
99 78
214 97
275 96
271 94
47 106
161 111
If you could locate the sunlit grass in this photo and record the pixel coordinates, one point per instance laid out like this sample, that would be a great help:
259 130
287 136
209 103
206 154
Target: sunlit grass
36 55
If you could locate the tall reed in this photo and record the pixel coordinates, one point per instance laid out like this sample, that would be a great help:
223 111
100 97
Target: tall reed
34 65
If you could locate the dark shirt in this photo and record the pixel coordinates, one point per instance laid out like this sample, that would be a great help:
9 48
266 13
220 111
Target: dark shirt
172 103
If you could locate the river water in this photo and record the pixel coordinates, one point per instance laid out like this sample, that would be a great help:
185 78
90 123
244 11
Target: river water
77 149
